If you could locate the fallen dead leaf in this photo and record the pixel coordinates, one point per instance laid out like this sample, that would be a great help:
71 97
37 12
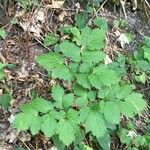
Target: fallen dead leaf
61 16
107 60
56 4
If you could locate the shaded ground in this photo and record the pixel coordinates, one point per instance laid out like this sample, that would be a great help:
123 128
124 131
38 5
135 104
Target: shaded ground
21 47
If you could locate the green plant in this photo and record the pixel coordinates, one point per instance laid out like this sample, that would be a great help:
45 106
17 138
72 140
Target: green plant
96 96
3 33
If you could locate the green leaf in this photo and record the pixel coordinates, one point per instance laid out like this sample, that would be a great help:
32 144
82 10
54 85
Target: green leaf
124 91
81 19
57 95
49 124
95 124
27 108
60 145
71 50
109 93
92 56
79 90
2 65
3 33
73 116
82 79
41 105
2 70
105 141
22 121
68 100
50 39
147 41
85 67
111 112
101 23
35 125
134 103
81 101
5 100
66 131
142 65
92 39
84 112
74 67
146 52
50 61
103 76
62 72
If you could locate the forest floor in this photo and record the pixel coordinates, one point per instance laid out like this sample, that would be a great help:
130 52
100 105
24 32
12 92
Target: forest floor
24 42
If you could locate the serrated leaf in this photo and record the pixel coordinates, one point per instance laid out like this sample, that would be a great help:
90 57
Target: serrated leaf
135 103
111 112
95 124
41 105
68 100
81 101
22 121
103 76
80 19
82 79
92 56
101 23
5 100
59 144
71 50
35 125
50 39
48 126
74 67
92 39
27 108
126 110
124 91
105 141
62 72
85 68
84 112
57 95
66 131
73 116
79 90
50 61
108 93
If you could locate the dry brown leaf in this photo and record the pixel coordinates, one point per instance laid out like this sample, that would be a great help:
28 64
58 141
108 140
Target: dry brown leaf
61 16
56 4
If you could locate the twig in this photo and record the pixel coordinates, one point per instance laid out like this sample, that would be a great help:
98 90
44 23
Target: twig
123 8
148 88
96 12
41 43
24 143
